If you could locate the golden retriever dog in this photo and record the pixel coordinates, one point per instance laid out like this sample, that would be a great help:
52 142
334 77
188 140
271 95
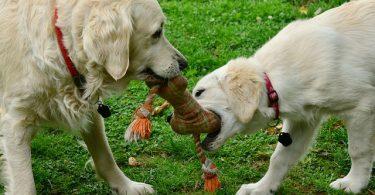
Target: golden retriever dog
110 43
318 67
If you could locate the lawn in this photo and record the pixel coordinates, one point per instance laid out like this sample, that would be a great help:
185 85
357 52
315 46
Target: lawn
208 33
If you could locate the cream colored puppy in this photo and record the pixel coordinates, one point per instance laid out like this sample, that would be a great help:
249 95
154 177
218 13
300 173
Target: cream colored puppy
321 66
110 42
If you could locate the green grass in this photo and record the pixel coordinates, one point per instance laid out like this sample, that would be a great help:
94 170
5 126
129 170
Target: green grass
208 33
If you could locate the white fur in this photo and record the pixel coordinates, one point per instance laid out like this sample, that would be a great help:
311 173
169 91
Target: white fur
110 42
321 66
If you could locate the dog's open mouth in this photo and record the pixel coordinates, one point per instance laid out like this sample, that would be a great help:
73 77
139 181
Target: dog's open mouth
152 78
149 73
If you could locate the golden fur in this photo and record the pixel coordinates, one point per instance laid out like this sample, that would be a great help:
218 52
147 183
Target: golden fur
110 41
321 66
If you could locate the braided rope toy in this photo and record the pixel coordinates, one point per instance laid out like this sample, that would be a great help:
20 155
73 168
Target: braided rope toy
188 118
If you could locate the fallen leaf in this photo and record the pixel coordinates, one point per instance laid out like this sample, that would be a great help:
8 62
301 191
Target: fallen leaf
303 10
133 162
271 131
259 19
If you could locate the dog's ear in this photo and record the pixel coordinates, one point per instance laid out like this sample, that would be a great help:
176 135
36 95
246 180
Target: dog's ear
106 38
242 86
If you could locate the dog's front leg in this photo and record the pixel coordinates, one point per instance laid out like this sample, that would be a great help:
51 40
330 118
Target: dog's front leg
105 164
282 159
15 143
361 141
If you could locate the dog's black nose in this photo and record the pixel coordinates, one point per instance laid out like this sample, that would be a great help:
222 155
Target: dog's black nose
182 64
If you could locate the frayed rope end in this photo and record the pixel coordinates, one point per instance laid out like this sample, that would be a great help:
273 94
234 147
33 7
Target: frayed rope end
140 128
210 176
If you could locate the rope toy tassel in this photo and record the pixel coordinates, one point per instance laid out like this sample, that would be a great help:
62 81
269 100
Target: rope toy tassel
210 171
211 179
141 126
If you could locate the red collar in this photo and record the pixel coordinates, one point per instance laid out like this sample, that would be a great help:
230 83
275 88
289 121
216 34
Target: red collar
273 98
78 79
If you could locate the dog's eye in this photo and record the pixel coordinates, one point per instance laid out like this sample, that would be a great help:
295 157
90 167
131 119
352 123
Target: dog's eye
199 92
157 34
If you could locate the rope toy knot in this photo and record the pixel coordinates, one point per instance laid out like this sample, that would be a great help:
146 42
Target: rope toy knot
142 112
209 167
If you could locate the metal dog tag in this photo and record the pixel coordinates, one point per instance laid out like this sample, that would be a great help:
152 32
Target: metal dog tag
104 110
285 139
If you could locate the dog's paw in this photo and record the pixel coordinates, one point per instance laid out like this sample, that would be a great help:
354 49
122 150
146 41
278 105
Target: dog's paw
134 188
253 189
348 185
